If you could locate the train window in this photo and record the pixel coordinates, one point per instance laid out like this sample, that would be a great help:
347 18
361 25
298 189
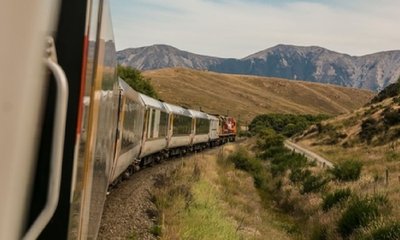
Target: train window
128 134
202 126
163 125
182 125
150 124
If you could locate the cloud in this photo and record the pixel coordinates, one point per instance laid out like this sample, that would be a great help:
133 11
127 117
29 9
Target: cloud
238 28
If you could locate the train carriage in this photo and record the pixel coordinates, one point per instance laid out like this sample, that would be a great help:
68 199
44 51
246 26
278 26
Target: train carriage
214 130
130 130
179 129
201 129
155 134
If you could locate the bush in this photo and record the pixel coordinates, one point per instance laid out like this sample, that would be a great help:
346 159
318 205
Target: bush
299 175
136 80
286 124
287 160
313 184
243 161
391 117
269 138
388 232
320 232
359 213
348 170
369 128
334 198
389 91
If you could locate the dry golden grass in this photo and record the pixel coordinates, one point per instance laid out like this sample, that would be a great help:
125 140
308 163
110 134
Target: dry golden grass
249 96
379 158
224 203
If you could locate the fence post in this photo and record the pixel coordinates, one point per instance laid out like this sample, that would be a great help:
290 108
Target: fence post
387 176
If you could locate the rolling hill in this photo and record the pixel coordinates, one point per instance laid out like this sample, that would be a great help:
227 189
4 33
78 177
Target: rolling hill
249 96
313 64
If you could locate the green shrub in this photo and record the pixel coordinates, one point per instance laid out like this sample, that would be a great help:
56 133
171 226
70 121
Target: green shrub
369 128
136 80
389 91
287 160
156 230
286 124
243 161
334 198
392 156
391 117
260 180
299 175
273 151
388 232
313 184
269 138
359 213
320 232
348 170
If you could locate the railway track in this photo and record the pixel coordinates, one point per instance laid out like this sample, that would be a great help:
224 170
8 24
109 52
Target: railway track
128 208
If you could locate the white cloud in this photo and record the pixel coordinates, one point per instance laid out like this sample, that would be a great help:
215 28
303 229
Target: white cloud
237 28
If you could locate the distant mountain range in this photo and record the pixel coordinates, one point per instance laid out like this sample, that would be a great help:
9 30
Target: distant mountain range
314 64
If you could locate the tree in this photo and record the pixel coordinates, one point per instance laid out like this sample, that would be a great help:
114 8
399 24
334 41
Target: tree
136 80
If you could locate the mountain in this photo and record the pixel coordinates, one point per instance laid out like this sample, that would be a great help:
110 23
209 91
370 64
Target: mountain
314 64
163 56
248 96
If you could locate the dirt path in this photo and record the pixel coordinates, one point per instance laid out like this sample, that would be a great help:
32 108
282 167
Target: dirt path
308 154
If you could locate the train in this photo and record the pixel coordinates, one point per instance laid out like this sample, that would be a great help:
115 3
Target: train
70 127
150 130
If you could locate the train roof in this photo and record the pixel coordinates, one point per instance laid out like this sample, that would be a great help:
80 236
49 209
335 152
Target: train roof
151 102
128 91
198 114
177 109
212 117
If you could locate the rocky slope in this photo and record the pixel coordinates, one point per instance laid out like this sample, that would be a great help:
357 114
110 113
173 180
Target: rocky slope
163 56
315 64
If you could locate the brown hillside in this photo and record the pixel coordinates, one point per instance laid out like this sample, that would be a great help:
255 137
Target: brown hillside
344 137
249 96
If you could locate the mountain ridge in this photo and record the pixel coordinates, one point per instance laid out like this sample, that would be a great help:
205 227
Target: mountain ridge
309 63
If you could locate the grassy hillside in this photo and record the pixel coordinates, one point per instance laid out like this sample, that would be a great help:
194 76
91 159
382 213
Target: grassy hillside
249 96
370 136
208 198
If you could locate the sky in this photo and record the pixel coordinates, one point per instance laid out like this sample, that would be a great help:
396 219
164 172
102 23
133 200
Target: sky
238 28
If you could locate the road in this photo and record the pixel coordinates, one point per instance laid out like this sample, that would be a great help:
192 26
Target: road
308 154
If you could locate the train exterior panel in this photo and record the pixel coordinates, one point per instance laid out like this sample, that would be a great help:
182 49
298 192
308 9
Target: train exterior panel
201 127
214 127
180 126
130 129
155 137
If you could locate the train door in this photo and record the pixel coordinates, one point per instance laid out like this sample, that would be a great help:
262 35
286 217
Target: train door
94 156
23 94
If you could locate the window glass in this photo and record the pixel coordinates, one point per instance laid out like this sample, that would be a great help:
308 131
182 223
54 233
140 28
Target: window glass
162 129
128 134
182 125
202 126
